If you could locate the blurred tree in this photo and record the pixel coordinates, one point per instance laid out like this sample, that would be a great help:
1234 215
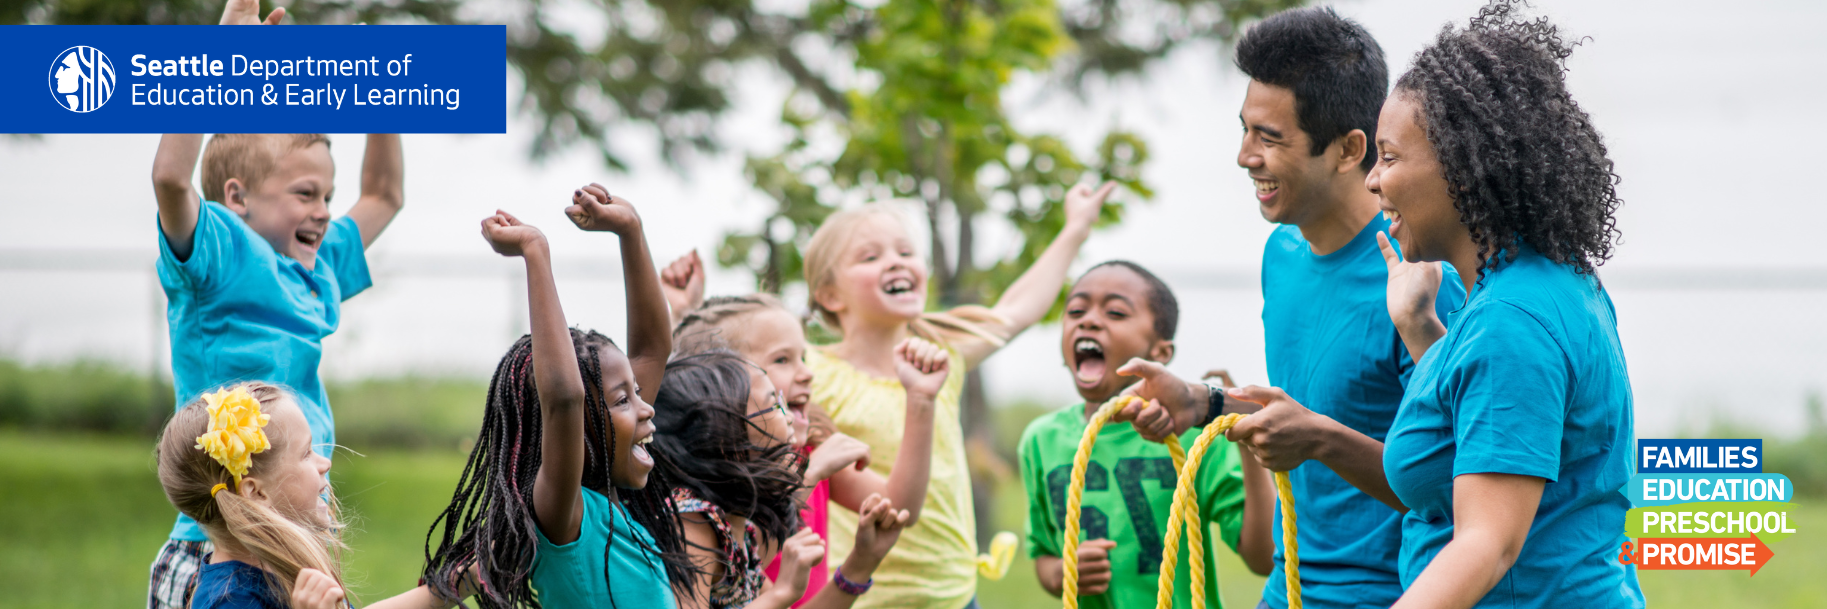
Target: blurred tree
892 99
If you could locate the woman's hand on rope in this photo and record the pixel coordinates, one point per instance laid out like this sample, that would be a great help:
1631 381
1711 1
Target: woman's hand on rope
922 366
1173 407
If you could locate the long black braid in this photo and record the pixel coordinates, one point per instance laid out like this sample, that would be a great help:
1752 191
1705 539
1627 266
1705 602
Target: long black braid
490 520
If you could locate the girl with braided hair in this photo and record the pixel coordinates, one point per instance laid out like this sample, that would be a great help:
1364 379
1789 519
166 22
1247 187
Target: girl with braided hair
560 504
1513 438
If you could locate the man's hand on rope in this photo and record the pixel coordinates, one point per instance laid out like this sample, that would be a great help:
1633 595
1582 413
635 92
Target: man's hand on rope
1173 406
1284 433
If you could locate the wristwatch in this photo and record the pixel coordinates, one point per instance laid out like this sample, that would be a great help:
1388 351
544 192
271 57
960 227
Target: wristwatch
1214 402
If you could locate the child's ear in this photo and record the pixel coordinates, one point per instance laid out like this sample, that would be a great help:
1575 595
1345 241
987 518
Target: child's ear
829 301
1162 351
254 490
234 197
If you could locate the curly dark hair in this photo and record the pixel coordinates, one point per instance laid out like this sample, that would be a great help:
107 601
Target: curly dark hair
1522 159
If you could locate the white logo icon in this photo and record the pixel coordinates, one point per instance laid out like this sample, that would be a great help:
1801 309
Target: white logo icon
82 79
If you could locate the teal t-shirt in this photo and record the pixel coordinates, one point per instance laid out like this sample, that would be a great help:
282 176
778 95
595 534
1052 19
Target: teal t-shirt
573 575
1529 380
1129 488
1330 344
240 311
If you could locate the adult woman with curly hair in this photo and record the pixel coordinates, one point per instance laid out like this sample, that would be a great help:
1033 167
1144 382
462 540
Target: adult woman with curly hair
1514 434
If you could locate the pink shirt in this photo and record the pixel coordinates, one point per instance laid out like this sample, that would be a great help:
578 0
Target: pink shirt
816 517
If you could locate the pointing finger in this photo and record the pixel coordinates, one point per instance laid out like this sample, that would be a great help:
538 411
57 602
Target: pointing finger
1142 368
1390 256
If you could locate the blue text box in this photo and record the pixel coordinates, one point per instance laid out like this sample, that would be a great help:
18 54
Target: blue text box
253 79
1734 456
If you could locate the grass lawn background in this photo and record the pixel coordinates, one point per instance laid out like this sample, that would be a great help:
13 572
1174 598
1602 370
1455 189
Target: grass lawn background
81 518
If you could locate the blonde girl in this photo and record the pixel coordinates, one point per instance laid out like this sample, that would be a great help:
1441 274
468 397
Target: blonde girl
867 279
239 462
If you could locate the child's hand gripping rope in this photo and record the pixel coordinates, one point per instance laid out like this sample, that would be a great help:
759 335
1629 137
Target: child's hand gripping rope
1185 510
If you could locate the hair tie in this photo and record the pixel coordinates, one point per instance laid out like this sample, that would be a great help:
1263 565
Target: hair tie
217 489
234 434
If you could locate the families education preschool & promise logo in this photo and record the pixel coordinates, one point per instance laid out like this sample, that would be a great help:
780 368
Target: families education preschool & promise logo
82 79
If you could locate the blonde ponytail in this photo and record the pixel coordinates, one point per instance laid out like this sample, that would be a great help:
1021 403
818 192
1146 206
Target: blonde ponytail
191 476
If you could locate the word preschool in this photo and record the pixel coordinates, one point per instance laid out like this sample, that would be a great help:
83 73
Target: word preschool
290 94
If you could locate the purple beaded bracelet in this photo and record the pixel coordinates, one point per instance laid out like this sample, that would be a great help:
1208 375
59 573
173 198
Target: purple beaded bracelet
849 587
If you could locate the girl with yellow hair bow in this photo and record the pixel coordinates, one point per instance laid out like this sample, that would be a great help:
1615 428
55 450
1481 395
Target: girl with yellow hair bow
239 462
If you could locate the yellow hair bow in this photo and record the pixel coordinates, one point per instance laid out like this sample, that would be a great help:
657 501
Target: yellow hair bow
234 434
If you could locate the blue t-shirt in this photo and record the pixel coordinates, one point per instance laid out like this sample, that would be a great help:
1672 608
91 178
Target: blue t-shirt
1528 380
572 575
1331 346
233 584
240 311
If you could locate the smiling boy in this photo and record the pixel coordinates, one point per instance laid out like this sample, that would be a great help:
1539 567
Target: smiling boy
1118 311
255 271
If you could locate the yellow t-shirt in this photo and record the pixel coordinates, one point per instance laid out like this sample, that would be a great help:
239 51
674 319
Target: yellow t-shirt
934 564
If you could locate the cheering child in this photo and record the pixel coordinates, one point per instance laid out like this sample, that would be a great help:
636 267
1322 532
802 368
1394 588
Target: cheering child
559 504
1115 312
867 280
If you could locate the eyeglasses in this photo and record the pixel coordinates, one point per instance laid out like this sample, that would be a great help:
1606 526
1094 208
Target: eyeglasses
780 407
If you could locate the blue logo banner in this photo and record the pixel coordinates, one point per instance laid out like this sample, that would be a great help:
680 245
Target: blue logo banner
253 79
1740 456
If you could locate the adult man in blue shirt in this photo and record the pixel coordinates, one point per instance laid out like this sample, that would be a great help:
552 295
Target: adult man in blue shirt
1317 82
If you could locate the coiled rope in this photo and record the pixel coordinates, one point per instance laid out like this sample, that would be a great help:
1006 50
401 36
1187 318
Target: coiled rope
1185 512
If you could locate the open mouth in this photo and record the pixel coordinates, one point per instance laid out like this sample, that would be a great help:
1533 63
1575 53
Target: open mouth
640 450
1395 220
898 286
1266 189
1088 365
309 238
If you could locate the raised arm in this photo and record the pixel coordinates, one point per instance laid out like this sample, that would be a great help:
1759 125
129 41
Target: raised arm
683 284
557 500
383 186
1034 292
171 169
922 367
649 327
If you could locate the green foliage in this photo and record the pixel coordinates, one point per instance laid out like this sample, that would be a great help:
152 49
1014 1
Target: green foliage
86 395
97 396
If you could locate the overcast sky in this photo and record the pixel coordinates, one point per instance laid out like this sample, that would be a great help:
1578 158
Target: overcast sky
1707 109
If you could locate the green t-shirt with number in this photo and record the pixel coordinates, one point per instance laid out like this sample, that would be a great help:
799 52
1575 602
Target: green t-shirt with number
1129 487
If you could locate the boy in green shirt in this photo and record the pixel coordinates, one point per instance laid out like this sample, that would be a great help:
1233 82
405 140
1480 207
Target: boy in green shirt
1118 311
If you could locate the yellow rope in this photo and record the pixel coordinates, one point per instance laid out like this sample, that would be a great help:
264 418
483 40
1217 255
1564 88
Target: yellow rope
1185 512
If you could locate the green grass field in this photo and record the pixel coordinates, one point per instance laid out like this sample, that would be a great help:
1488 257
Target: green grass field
81 518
